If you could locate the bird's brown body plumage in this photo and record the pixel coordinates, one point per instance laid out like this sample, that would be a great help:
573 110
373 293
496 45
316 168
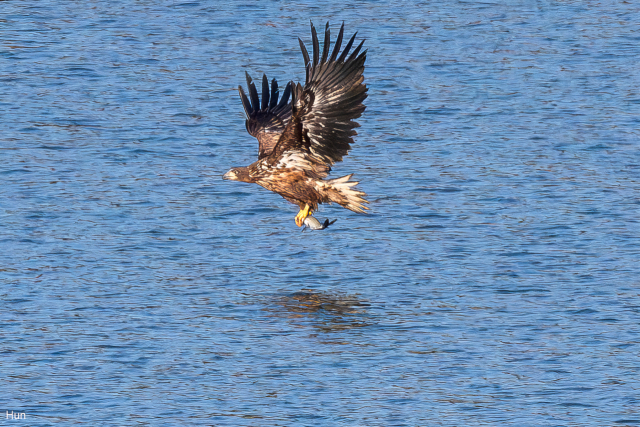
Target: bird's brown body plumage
300 140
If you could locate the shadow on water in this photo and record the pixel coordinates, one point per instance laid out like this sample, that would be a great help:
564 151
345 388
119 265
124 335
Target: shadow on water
327 311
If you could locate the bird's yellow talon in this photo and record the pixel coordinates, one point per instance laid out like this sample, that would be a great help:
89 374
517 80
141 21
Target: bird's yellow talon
302 215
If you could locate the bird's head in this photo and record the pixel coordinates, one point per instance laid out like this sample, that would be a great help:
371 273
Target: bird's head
238 174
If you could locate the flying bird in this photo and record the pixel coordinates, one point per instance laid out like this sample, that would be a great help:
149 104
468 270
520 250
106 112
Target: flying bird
301 139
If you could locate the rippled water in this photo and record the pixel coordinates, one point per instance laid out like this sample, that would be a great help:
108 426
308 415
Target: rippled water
495 282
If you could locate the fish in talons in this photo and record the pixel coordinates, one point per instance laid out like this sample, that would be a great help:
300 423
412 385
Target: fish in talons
313 224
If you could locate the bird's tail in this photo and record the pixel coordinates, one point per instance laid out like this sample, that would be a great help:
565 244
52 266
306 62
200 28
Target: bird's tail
339 191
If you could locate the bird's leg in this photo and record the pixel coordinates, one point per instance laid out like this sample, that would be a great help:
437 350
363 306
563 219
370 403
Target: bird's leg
302 215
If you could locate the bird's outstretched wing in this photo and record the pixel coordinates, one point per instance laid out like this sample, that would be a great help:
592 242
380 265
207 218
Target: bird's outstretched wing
266 120
330 100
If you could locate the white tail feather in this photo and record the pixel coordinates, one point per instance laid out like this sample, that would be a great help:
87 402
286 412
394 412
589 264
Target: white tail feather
339 191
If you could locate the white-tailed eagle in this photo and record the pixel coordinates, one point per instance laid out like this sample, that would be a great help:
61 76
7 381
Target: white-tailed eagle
301 139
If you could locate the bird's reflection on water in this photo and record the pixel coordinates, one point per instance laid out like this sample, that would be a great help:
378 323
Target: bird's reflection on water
327 311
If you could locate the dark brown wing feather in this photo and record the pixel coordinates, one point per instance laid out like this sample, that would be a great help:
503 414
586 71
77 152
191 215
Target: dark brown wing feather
330 100
267 120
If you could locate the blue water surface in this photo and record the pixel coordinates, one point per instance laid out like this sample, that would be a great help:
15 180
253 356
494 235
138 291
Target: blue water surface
495 282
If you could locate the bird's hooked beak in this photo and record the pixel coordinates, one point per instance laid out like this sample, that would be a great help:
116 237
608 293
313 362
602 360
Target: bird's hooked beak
231 175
